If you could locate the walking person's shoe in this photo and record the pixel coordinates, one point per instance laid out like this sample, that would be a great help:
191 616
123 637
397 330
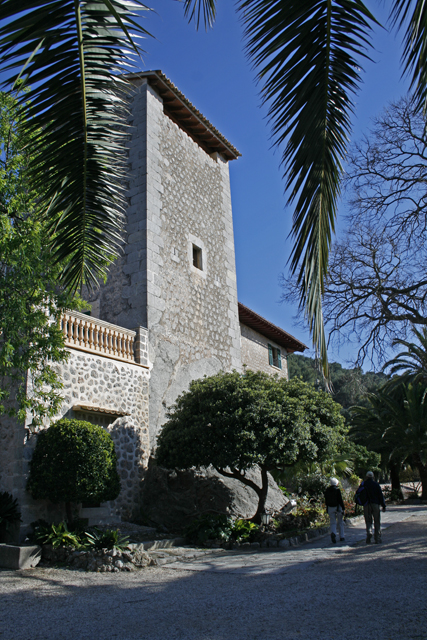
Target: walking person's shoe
333 538
378 540
369 538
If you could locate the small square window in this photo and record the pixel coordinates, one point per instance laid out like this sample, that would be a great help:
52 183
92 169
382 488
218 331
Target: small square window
274 357
197 258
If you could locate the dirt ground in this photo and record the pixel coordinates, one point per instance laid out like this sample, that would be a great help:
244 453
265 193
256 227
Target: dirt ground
314 592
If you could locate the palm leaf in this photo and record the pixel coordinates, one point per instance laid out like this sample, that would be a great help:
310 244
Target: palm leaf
72 52
411 15
307 53
195 10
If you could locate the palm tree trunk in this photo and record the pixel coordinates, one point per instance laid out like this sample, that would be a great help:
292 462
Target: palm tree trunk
69 513
395 477
422 470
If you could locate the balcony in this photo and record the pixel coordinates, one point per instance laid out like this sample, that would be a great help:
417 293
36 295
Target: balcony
92 335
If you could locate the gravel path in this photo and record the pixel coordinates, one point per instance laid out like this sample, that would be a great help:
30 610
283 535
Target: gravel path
313 592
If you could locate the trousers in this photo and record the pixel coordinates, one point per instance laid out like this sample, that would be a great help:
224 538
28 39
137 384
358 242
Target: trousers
335 516
371 511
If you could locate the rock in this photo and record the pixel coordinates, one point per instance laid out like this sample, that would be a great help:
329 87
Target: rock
284 543
139 559
172 499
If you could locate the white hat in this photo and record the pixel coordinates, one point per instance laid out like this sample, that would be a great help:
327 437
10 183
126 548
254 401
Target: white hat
370 474
334 482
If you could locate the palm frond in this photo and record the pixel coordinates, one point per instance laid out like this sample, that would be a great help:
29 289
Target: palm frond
195 10
412 363
307 54
411 15
73 53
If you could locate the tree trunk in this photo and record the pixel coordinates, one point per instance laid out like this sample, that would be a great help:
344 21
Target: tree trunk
69 513
260 491
422 469
262 497
395 477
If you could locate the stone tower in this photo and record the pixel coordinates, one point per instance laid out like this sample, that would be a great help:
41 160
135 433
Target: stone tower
177 274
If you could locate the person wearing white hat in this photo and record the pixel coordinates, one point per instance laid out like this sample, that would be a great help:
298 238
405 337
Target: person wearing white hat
335 507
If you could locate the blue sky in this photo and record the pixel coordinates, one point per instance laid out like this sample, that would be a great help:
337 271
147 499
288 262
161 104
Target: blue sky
211 69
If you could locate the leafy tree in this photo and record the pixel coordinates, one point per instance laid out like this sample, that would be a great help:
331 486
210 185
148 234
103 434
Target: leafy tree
348 386
395 425
74 461
30 300
308 57
234 421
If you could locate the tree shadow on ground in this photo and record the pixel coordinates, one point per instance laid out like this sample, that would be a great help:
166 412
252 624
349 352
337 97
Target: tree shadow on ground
367 592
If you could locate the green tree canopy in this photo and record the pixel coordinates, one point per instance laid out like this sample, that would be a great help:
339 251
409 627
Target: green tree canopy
395 425
235 421
349 387
74 461
31 301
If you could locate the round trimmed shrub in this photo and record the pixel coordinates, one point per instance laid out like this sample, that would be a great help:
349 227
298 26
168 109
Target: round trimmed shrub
74 461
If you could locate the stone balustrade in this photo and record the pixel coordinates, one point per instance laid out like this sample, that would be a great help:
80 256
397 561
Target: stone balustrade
85 333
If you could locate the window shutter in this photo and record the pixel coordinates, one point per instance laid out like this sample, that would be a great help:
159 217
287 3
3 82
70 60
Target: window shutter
279 359
270 355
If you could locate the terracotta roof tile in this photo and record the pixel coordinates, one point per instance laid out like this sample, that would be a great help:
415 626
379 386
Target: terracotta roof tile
185 114
269 330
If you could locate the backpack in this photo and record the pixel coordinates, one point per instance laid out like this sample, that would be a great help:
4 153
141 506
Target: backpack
361 496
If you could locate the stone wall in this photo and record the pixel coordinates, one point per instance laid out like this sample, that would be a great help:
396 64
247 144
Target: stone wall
179 196
255 352
192 312
99 382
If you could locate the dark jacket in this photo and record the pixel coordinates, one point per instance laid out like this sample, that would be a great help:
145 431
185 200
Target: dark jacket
375 494
333 497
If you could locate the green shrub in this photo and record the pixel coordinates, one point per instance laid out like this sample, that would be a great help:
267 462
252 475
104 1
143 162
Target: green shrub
74 461
394 495
354 481
313 485
306 515
244 530
413 495
209 527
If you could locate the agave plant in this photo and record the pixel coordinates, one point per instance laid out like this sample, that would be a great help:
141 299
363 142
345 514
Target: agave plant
58 535
109 539
9 512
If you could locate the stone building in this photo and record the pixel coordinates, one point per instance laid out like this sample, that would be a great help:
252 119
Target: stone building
168 312
265 347
177 276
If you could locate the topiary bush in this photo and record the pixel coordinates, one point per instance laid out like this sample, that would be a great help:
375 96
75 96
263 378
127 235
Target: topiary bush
74 461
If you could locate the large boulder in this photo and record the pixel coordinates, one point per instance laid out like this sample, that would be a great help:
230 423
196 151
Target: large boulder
174 498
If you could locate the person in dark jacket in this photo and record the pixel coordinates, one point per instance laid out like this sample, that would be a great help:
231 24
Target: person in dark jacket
371 510
335 507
